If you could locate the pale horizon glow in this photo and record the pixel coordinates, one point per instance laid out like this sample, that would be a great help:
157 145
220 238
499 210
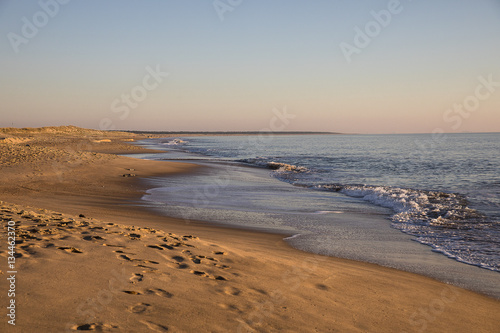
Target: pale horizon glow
421 72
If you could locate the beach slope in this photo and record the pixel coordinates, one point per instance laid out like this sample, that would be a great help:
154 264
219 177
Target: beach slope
89 257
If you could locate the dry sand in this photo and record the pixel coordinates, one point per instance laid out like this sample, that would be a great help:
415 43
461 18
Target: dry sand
89 259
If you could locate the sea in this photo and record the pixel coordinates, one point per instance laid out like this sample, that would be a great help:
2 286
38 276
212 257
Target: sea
423 203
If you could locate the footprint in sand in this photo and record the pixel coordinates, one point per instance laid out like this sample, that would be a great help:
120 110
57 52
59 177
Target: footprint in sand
134 236
127 258
86 327
189 237
196 260
321 286
230 307
150 291
65 224
123 252
136 277
158 292
158 247
178 258
151 269
70 249
205 257
110 245
139 308
93 327
219 278
199 273
232 291
47 231
177 265
97 228
155 327
215 277
90 238
124 257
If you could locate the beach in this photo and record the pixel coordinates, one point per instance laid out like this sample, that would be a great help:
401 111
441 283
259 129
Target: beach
89 256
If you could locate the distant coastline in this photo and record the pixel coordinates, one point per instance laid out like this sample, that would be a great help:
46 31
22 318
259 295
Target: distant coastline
226 132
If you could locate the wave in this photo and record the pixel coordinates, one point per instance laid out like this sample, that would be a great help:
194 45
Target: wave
276 166
174 142
443 220
283 167
416 206
437 219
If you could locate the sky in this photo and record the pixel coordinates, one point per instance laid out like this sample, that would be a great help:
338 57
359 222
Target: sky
364 66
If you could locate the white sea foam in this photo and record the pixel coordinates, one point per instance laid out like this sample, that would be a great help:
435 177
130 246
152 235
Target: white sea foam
174 142
438 219
410 205
292 237
328 212
283 167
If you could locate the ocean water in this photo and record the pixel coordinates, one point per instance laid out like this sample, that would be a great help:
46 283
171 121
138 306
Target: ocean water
443 192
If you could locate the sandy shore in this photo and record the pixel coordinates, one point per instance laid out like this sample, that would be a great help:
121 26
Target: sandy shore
88 258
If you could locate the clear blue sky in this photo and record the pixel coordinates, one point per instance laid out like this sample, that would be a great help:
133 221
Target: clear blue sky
230 74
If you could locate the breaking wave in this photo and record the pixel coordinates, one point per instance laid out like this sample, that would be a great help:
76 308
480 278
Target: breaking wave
174 142
438 219
283 167
415 206
276 166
